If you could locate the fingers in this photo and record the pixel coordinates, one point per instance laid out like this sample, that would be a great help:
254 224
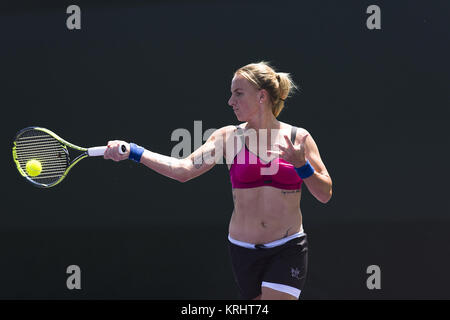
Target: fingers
271 152
304 139
288 141
280 154
289 152
112 151
279 146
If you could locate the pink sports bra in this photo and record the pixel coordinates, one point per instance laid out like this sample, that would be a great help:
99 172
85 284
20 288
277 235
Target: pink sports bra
246 173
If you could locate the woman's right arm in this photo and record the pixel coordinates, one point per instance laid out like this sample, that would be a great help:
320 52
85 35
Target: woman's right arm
197 163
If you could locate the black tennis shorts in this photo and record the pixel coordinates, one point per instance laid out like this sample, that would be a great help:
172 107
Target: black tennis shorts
282 268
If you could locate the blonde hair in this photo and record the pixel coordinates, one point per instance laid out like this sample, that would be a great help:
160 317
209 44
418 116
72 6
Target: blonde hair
263 76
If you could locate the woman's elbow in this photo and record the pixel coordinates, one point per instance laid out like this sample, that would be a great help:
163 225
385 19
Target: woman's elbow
326 196
184 179
183 176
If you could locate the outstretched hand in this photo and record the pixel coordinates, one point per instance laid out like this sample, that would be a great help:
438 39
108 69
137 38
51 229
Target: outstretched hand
294 154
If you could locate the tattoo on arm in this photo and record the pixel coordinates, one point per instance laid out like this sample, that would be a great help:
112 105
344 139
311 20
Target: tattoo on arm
197 162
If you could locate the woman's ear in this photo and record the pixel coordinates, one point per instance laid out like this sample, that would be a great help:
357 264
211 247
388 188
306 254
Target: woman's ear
262 95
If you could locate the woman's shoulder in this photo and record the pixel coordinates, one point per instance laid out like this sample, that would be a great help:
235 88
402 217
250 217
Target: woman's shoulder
239 125
228 132
288 126
232 129
300 131
229 129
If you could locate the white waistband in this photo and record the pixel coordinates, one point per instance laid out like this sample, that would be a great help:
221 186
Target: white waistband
272 244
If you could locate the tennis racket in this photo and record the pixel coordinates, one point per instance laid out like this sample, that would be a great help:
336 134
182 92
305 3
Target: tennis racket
52 153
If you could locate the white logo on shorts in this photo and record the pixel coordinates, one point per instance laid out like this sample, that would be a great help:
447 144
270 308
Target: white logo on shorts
295 273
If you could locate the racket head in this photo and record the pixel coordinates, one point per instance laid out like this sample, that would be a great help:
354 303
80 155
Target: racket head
35 143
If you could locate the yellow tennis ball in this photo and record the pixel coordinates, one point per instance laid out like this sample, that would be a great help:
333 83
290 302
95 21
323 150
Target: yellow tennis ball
34 168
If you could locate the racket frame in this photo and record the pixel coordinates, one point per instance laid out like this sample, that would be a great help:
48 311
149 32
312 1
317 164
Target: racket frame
64 144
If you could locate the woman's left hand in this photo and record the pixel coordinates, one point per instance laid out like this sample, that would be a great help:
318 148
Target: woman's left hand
294 154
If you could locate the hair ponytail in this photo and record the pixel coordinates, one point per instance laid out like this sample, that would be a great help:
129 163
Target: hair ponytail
285 86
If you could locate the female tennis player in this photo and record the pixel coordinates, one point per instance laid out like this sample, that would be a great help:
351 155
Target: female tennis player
268 246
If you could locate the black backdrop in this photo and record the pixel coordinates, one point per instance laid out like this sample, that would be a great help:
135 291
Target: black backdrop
376 102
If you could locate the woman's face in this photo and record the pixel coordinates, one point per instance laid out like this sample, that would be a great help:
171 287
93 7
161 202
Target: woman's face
244 98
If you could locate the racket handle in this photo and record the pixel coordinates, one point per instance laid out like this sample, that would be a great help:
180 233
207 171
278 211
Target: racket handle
96 151
100 151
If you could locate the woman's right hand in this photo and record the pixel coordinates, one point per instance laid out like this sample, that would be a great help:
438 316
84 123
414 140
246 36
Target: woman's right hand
112 150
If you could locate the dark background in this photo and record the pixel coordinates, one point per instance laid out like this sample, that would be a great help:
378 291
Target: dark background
375 101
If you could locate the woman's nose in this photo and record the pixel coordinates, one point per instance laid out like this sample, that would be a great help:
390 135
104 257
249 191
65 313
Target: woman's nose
231 102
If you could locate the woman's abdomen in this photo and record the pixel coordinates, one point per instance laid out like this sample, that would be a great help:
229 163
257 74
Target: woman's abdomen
265 214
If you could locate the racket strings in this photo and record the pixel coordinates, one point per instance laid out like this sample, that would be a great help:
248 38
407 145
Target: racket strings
38 145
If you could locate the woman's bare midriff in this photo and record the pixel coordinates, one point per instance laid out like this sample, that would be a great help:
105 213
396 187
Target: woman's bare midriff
265 214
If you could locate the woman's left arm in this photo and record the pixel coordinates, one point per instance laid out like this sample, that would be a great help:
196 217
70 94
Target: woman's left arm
319 183
305 148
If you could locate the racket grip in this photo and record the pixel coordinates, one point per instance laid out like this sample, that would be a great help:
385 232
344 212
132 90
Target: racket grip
96 151
100 151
